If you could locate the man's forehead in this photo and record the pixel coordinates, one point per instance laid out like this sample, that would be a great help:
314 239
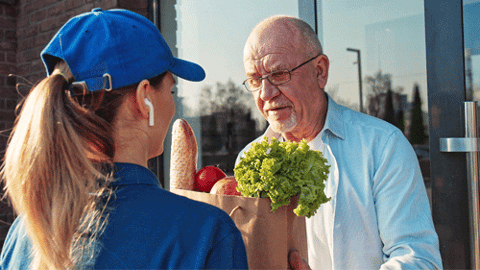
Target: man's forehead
270 47
270 59
266 64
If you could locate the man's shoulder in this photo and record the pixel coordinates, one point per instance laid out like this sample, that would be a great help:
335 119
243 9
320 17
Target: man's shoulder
360 121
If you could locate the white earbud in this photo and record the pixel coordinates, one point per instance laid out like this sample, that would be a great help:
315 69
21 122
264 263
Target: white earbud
150 114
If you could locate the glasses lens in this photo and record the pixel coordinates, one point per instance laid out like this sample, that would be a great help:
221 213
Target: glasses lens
253 83
279 77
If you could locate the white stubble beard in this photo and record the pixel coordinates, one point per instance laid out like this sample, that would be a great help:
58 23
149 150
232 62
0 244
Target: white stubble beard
284 126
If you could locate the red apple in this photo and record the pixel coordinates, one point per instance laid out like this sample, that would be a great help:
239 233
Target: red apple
206 177
226 186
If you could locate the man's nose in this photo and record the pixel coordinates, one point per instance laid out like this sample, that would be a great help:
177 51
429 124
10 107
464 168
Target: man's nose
268 90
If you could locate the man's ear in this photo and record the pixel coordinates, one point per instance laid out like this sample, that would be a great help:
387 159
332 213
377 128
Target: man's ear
141 94
322 64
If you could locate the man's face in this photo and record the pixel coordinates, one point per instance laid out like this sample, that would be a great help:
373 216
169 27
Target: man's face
293 106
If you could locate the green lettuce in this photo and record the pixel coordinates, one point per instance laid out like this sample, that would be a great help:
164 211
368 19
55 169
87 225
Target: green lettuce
281 170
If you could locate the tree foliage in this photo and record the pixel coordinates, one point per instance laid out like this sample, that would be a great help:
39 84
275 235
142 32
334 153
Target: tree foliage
417 128
400 120
226 116
226 97
389 111
385 101
377 85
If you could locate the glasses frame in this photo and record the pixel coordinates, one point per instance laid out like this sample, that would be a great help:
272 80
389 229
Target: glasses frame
267 76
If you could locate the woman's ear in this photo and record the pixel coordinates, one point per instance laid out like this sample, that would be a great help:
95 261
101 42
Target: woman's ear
322 65
141 94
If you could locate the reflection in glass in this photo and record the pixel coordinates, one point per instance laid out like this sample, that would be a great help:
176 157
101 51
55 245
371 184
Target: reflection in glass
219 109
390 37
471 22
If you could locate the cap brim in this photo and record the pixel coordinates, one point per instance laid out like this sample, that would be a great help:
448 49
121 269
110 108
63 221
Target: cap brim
187 70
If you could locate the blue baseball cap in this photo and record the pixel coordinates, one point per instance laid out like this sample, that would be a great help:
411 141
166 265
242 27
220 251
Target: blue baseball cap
114 48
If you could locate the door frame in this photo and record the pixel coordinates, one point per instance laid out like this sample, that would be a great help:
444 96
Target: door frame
446 97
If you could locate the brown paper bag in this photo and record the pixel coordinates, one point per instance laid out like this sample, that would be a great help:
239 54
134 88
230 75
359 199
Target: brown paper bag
268 236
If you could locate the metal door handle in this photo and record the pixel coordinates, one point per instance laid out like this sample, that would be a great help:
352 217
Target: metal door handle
459 145
471 145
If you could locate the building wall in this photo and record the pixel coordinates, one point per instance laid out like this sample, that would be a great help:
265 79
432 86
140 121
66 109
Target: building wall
26 26
8 94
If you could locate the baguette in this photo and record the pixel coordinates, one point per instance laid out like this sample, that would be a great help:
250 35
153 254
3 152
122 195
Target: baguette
183 161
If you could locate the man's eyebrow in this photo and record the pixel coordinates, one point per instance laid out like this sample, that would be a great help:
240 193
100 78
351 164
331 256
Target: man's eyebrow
276 66
252 75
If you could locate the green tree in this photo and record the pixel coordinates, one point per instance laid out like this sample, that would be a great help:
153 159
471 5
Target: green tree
226 117
389 111
225 98
377 85
417 128
400 120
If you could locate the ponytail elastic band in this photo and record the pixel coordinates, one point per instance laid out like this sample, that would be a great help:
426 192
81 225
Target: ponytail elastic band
64 76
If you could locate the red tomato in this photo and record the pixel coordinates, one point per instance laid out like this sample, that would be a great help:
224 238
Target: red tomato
226 186
206 177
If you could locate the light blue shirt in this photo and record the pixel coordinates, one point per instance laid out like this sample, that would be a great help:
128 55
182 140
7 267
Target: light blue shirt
379 216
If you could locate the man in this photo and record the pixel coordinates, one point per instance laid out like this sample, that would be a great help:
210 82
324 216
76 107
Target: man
379 215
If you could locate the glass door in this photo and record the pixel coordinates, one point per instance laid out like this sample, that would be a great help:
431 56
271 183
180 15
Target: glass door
221 112
409 53
452 64
415 53
415 50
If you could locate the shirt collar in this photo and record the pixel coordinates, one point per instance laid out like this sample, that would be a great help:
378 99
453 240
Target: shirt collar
334 119
128 174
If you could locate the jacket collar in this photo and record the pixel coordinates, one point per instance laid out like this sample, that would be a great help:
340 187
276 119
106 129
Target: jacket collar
129 174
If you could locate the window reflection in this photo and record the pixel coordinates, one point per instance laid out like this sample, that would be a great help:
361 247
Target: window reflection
390 37
227 123
471 21
389 34
221 112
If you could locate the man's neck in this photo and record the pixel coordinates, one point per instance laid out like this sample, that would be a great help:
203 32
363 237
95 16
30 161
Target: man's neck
312 130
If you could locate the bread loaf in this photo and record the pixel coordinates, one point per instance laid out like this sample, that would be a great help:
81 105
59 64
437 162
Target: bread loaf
183 161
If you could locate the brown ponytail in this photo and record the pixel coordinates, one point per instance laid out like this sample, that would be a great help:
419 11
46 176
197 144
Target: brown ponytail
51 173
57 164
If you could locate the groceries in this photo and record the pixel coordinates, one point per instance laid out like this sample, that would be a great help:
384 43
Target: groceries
268 236
206 177
183 160
269 169
226 186
281 170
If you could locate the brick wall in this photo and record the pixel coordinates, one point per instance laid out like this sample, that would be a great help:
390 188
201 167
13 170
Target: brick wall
26 26
8 94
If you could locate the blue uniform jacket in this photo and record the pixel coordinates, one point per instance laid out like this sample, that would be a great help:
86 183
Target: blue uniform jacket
150 228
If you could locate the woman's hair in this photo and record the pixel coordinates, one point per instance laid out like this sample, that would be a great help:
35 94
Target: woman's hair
58 165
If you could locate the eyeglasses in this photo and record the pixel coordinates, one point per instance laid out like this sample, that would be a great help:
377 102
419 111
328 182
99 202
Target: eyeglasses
277 77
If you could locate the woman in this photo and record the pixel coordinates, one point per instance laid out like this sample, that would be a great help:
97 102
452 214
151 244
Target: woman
75 166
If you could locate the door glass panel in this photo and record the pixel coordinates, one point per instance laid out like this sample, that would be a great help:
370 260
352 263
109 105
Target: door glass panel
471 21
219 109
471 28
389 37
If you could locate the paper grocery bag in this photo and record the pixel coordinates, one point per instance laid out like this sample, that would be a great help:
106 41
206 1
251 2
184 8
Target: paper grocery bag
268 236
